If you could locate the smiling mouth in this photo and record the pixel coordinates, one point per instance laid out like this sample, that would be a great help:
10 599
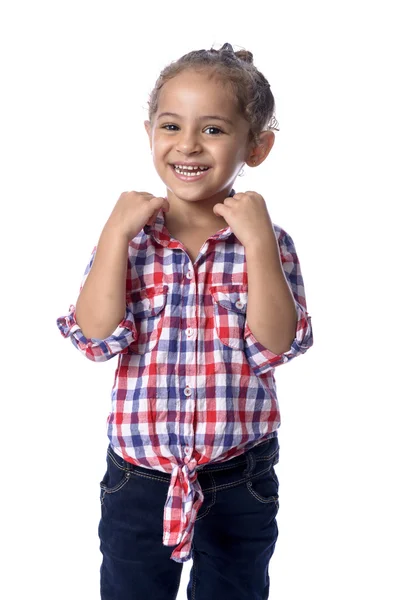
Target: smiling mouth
189 171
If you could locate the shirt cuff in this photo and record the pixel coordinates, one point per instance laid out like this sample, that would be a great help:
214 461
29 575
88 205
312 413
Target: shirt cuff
262 359
97 349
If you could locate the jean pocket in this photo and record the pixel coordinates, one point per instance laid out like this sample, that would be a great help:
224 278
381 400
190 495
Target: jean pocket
117 474
148 309
263 486
229 313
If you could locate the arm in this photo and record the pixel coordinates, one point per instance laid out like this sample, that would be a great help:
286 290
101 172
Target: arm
101 303
101 325
271 311
277 329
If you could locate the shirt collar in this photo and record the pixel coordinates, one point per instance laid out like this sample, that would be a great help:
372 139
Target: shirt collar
159 231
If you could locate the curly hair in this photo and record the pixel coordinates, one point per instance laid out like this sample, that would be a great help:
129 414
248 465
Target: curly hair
255 100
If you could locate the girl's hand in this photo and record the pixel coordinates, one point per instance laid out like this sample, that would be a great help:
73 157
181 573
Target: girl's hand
247 215
134 210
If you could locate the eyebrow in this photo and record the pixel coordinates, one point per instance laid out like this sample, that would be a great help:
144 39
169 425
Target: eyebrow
216 117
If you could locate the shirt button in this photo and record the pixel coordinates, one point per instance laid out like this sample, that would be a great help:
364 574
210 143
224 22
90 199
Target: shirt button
190 331
187 391
186 449
189 274
239 304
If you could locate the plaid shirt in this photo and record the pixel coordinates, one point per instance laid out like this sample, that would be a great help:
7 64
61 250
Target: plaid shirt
192 385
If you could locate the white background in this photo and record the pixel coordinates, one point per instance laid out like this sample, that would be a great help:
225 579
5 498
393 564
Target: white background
75 79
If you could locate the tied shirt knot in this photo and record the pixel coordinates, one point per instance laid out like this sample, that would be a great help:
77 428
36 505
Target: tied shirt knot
184 499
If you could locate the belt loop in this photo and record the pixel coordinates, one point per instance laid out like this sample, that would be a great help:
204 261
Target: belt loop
251 463
128 466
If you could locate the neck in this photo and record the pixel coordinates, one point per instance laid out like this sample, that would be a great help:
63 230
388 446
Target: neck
195 213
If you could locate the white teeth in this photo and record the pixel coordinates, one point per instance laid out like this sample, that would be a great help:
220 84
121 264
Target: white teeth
187 170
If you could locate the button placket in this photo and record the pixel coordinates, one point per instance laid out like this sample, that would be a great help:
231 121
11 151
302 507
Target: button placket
189 332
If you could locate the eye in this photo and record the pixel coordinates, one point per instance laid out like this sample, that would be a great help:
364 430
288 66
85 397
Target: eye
216 128
168 125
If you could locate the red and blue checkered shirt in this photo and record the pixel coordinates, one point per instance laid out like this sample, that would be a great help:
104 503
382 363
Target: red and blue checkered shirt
192 385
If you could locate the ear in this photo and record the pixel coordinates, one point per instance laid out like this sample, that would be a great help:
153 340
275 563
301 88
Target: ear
147 126
259 153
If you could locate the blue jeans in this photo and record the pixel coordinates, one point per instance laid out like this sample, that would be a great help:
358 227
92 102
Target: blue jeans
234 537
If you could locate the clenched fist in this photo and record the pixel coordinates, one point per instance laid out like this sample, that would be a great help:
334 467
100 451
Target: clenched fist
134 210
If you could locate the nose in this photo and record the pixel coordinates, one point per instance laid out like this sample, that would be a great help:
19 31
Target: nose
188 142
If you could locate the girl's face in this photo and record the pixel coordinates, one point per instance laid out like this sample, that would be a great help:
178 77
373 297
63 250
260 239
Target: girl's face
197 123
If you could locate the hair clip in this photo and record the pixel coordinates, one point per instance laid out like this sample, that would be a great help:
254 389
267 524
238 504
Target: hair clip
273 124
227 48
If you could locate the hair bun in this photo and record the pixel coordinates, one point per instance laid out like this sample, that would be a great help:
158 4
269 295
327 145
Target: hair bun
245 55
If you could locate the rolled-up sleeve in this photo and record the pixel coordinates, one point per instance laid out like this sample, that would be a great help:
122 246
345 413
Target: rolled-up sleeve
260 358
95 349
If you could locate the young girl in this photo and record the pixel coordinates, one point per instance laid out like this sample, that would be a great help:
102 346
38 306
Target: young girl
200 296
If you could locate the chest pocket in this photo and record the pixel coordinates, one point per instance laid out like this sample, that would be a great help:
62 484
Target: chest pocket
148 308
229 313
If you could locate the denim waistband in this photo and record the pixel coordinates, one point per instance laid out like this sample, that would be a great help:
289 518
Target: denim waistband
267 450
